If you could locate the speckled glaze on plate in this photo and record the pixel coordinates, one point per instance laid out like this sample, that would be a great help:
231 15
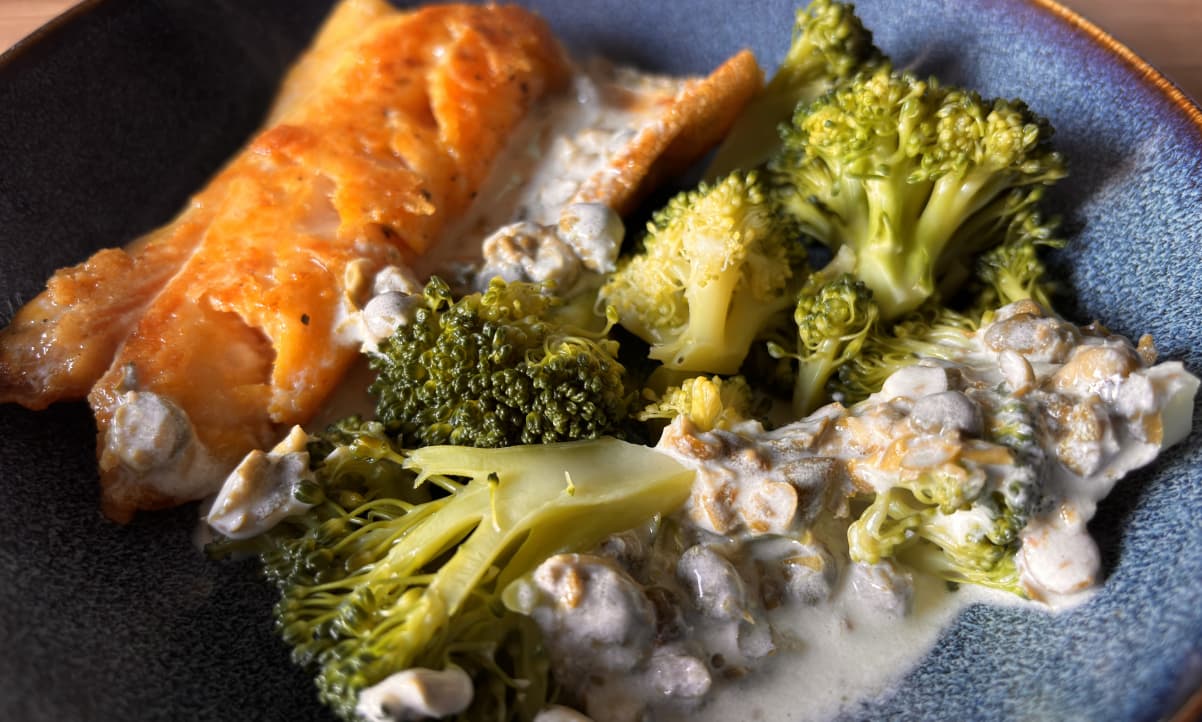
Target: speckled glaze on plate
112 115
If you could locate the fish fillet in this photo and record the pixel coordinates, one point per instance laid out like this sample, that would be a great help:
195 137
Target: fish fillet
59 344
210 336
365 162
692 119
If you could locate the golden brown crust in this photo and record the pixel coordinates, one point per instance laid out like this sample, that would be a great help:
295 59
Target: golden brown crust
59 343
339 31
692 123
239 329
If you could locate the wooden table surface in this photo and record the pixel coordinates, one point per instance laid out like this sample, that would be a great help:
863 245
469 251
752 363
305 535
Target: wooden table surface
1163 32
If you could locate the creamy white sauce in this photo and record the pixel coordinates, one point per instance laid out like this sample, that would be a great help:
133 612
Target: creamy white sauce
261 491
562 143
840 654
416 694
1065 411
153 438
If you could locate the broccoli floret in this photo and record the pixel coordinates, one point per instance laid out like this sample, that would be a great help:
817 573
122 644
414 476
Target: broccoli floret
962 525
498 369
353 459
717 263
829 45
931 526
372 585
1009 272
709 402
1014 270
1013 426
833 319
933 331
914 177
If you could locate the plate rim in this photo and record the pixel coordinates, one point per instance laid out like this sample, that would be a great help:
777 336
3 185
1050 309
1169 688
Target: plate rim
1141 70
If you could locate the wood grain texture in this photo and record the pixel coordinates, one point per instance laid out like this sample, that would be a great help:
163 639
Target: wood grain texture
19 18
1163 32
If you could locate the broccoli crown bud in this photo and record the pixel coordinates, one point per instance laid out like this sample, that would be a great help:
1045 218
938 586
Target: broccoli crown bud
717 263
496 369
884 121
834 318
709 402
830 42
841 309
914 177
830 45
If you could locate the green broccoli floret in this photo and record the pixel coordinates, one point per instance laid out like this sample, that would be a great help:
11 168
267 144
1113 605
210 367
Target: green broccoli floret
353 458
717 263
1014 270
933 331
974 541
955 528
914 177
498 369
709 402
829 45
1010 271
372 585
833 319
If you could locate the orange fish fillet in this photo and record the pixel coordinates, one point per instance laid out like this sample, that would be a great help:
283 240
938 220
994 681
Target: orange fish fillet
59 343
62 341
210 336
366 162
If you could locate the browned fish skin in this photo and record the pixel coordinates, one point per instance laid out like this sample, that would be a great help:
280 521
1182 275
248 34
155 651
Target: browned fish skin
381 134
693 121
238 326
59 343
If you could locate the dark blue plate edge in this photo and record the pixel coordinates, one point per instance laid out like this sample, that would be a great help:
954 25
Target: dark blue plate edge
1140 70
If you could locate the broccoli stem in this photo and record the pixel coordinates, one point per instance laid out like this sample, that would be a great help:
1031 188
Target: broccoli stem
615 486
809 389
917 232
709 305
815 370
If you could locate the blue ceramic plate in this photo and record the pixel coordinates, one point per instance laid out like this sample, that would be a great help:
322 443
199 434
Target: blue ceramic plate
111 116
